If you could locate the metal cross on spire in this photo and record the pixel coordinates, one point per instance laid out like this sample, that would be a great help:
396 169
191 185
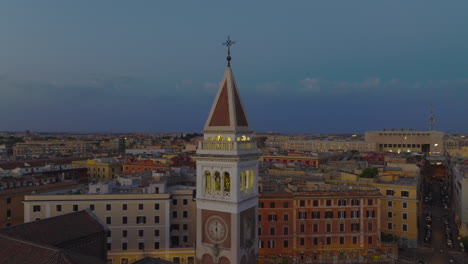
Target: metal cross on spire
228 44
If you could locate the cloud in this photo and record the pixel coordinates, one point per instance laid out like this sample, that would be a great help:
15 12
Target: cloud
209 87
310 84
268 88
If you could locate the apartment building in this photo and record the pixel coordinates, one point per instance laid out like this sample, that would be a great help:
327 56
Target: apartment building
399 204
131 167
38 149
322 224
292 159
304 160
400 210
104 169
148 220
13 188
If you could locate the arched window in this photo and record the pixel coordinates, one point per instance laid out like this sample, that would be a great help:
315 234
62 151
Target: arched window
217 181
207 259
219 138
227 181
224 260
228 139
242 181
207 180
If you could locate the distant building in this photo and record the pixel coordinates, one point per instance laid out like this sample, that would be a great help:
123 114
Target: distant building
42 149
131 167
456 146
145 218
75 238
298 159
321 145
104 169
293 160
3 152
406 141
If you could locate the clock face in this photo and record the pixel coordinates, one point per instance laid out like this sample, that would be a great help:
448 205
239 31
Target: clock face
216 228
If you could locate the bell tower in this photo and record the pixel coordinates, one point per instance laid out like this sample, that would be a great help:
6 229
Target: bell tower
227 181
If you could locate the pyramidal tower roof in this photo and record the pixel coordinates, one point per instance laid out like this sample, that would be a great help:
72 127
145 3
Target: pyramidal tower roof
227 113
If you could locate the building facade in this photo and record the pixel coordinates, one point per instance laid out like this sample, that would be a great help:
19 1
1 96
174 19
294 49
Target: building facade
143 165
406 141
399 209
144 222
399 204
315 225
321 145
38 149
293 160
105 169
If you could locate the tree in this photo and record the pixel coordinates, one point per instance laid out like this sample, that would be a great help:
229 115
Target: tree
369 173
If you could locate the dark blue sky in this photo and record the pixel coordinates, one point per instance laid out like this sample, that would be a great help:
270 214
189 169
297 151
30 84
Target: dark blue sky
301 66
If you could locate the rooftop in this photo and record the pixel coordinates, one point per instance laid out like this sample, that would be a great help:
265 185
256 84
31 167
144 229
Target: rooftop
45 241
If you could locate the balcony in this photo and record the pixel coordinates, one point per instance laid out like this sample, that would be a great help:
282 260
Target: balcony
224 147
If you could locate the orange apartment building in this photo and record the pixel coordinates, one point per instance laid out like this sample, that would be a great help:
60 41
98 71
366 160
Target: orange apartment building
302 225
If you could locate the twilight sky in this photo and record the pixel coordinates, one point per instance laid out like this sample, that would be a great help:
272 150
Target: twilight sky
301 66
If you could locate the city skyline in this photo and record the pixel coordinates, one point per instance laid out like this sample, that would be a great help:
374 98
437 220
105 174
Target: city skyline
304 67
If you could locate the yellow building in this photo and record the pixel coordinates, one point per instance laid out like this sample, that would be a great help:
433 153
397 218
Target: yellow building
144 222
459 151
399 210
399 206
100 169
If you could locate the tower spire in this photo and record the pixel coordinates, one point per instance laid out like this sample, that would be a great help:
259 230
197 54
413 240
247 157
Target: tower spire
228 44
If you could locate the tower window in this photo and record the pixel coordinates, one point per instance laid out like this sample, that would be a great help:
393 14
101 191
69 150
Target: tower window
217 181
207 181
227 181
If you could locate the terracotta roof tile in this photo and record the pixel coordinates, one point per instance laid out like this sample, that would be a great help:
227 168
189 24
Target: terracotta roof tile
220 115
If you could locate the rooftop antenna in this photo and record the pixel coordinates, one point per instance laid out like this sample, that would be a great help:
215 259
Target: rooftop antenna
431 119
